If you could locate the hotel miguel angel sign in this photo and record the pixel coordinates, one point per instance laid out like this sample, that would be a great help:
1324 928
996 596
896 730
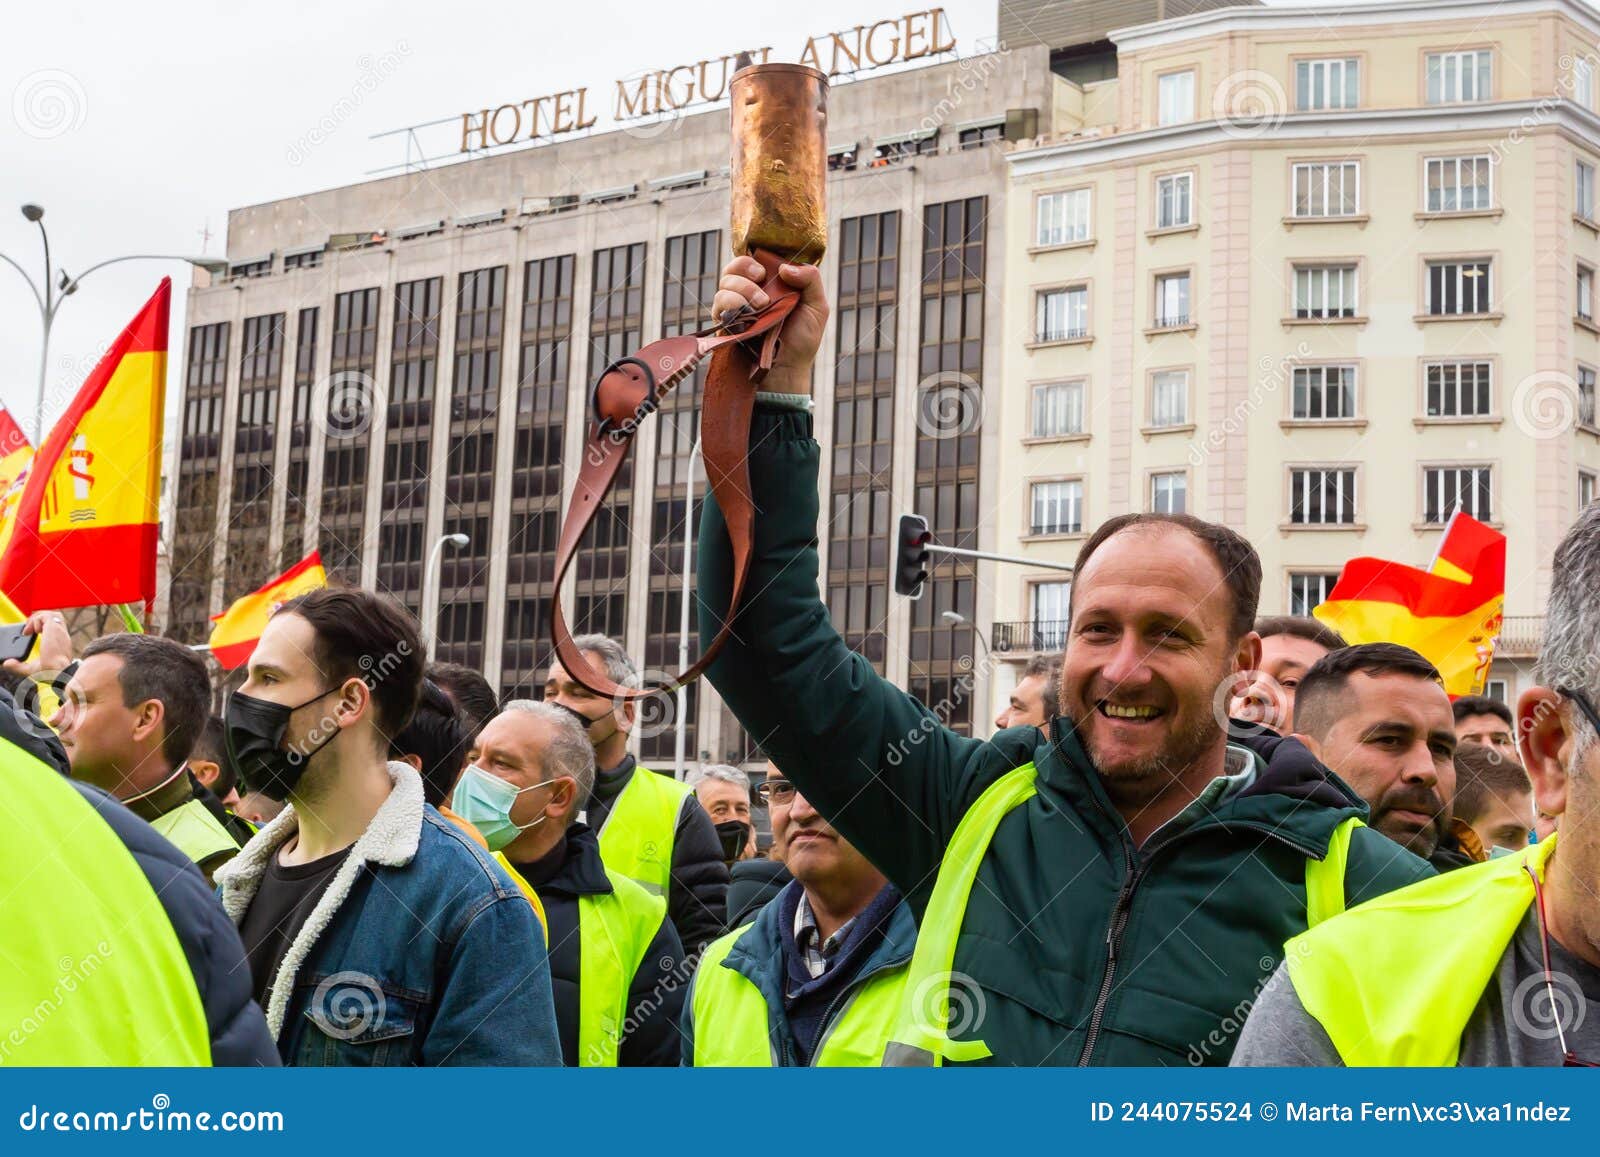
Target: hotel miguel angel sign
666 90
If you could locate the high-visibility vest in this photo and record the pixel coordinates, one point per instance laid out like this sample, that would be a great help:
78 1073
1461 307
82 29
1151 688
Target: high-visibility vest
733 1026
96 974
636 838
527 890
921 1035
195 831
614 930
1395 980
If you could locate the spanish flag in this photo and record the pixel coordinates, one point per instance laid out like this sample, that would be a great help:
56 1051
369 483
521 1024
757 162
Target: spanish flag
16 452
1450 613
239 627
86 523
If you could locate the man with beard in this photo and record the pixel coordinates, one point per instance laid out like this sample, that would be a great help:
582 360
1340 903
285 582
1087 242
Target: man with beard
1105 892
1377 715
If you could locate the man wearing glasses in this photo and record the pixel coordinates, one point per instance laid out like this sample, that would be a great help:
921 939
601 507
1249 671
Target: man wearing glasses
1495 964
818 978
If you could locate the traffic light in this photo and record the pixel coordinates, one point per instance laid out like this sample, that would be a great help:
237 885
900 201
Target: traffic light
911 555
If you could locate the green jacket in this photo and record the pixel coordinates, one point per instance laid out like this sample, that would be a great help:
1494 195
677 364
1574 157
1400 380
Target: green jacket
1084 949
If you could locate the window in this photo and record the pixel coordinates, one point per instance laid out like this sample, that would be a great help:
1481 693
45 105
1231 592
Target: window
1169 398
1323 393
979 135
1583 81
1062 314
1058 507
1063 217
1048 604
1446 489
1327 189
1174 200
1458 287
1585 396
1322 496
1307 589
1458 389
1175 98
1588 487
1323 291
1458 77
1323 84
1169 492
1585 295
1172 300
1583 190
1057 410
1458 184
1498 690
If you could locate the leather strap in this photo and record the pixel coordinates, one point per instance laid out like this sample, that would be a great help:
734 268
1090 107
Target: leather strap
741 345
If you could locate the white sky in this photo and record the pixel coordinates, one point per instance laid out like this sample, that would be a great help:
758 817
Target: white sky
175 112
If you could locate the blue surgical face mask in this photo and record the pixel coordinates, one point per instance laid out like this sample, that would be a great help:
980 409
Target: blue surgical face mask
485 801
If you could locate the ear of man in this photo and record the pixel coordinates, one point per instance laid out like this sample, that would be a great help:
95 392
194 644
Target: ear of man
1247 655
148 718
1545 739
205 771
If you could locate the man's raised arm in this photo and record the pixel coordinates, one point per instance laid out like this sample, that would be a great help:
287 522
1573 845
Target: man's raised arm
883 770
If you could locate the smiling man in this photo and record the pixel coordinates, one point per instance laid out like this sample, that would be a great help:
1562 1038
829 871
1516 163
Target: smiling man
1107 891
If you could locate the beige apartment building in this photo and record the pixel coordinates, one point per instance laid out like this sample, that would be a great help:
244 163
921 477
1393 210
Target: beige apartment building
1322 273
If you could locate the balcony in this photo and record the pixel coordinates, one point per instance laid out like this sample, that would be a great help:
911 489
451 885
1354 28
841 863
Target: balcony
1520 637
1029 637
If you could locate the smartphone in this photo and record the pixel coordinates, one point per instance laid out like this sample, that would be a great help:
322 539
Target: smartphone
15 643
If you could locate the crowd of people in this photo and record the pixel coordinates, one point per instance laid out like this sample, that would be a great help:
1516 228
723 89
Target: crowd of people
369 859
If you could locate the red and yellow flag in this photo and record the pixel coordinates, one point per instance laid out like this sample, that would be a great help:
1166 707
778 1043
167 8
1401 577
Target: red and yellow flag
86 522
1450 613
15 450
239 627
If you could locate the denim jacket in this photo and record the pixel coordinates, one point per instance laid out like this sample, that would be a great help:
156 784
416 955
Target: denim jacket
420 952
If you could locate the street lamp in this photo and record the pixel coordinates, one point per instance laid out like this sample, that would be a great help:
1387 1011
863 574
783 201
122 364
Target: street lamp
457 540
55 293
957 619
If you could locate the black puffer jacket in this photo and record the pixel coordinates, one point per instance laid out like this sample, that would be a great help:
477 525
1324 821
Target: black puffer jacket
697 898
238 1030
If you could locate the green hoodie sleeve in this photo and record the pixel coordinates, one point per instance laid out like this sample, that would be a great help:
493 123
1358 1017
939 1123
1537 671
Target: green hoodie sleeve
878 764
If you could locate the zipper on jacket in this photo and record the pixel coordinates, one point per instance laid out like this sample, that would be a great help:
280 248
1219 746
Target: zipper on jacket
1120 911
848 995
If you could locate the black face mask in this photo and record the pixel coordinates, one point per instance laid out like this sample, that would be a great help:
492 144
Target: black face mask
582 719
734 834
253 731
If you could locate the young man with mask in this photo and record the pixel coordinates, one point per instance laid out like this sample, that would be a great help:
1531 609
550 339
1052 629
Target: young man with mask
375 931
650 828
615 962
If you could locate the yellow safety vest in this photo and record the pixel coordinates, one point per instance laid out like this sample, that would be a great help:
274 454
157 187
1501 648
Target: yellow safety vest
527 890
733 1029
96 974
1395 980
637 837
614 930
921 1035
195 832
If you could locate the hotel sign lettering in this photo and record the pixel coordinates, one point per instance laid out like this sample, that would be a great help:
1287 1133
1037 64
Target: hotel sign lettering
667 90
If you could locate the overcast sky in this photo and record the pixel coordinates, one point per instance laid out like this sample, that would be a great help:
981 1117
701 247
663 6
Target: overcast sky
138 126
